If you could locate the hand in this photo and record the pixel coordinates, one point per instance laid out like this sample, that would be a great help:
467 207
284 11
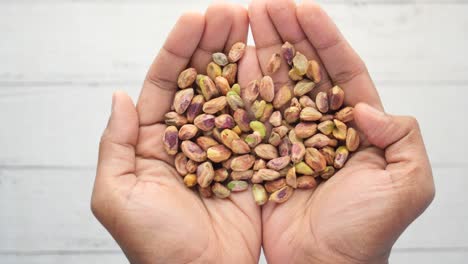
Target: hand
358 214
138 195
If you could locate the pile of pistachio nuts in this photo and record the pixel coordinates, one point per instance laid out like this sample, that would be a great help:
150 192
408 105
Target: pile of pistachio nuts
226 137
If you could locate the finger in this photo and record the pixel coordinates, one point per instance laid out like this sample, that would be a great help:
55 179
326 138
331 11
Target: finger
405 154
249 68
385 131
398 136
342 63
117 147
239 28
219 21
161 81
283 15
267 40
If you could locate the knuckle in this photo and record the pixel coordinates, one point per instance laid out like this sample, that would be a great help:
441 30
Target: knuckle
411 122
161 83
348 73
332 41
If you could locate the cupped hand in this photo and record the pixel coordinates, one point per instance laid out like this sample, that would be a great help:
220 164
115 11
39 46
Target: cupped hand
357 215
138 195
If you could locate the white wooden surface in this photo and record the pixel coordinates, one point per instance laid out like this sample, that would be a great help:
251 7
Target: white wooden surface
61 60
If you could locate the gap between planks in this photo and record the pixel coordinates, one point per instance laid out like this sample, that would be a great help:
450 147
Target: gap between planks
92 168
138 83
328 2
119 252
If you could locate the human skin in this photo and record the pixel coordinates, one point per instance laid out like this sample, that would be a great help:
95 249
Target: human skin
138 195
355 217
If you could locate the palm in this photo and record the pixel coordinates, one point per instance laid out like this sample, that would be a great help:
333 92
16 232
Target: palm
142 201
332 218
146 206
335 215
158 206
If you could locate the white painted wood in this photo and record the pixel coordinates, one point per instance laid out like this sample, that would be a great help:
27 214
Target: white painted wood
205 2
436 108
429 257
48 210
114 42
396 258
77 258
61 126
61 60
445 223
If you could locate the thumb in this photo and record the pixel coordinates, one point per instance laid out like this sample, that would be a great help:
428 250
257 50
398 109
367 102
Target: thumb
384 130
405 154
117 146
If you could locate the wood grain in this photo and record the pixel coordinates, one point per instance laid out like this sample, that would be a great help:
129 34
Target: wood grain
69 42
72 258
427 257
430 257
61 60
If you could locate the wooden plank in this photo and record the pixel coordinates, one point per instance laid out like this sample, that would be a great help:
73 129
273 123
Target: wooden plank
54 127
429 257
445 223
185 2
396 258
76 258
60 126
118 258
435 107
114 42
48 210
